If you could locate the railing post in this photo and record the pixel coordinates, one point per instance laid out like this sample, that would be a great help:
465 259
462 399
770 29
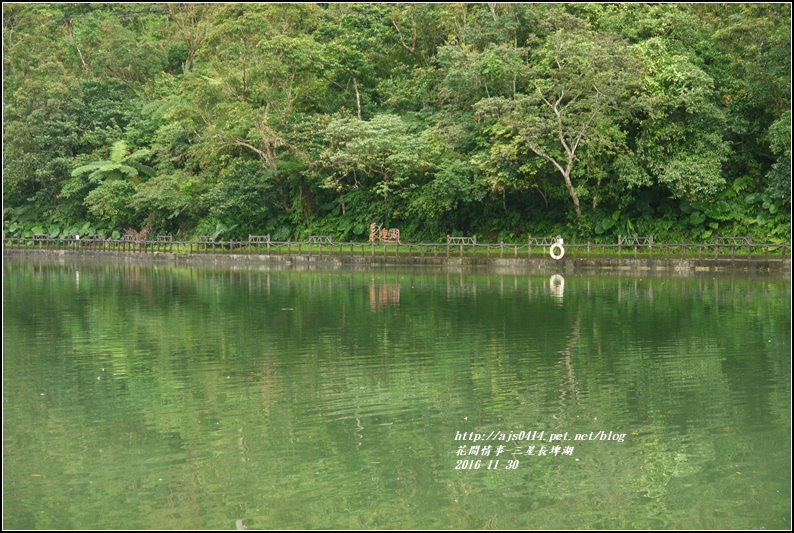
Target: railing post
166 244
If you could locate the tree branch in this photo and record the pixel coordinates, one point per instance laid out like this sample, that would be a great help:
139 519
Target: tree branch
74 41
411 48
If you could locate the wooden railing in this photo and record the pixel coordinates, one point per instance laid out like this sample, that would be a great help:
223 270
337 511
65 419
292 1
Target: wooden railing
723 247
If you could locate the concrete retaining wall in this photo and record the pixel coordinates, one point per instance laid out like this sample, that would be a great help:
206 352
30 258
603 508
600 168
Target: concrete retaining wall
540 265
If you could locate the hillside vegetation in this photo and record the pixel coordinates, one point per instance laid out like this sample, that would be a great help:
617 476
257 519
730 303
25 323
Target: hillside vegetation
500 120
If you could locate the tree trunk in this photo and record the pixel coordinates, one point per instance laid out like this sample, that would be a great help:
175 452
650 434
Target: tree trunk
568 185
358 97
74 41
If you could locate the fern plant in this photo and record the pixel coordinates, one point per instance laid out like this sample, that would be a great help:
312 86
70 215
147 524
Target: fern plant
120 165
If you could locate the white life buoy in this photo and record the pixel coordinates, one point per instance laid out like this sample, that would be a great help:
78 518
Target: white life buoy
557 244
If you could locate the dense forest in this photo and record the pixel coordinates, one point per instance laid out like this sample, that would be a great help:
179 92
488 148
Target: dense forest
500 120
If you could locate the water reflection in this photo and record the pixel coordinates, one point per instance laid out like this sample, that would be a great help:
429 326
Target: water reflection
557 286
569 384
331 400
383 294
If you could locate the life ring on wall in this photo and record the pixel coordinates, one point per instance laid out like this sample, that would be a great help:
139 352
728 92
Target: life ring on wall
557 244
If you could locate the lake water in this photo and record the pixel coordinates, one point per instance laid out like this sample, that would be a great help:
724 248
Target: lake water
174 398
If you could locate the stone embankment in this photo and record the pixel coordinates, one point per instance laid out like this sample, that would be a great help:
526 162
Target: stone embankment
775 264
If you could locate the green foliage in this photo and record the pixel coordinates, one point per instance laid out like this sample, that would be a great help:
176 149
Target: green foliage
169 201
216 229
109 203
244 195
681 145
578 84
779 186
490 119
381 154
120 165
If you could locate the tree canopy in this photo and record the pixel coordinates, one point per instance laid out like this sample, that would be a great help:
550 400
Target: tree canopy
589 120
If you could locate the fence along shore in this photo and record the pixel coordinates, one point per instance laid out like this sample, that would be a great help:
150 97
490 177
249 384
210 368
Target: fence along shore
723 246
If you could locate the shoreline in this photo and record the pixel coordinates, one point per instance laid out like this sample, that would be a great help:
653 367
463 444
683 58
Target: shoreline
776 266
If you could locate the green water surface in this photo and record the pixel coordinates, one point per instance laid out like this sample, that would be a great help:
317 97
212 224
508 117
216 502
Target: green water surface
174 398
